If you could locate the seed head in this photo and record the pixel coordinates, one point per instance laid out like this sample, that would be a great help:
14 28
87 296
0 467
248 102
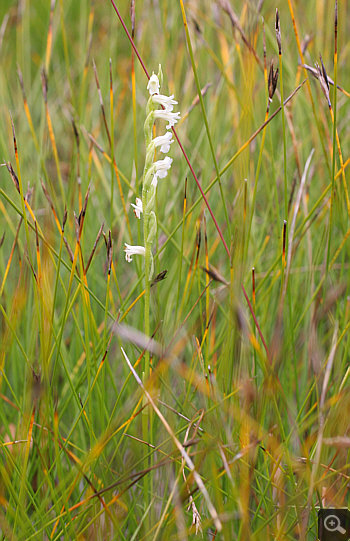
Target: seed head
272 83
278 32
323 79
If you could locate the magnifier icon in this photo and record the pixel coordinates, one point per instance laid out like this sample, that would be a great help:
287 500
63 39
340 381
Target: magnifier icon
332 524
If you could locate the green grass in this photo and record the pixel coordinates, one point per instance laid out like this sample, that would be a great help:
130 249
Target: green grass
242 425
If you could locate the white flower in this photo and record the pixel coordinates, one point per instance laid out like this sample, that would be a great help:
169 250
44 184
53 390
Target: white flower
153 84
137 207
133 250
172 118
162 167
167 101
164 142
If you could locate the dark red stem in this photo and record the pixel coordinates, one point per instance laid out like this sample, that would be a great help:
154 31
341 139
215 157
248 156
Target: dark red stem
130 38
255 321
202 193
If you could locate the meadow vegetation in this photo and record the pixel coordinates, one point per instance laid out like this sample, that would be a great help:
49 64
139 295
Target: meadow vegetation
225 415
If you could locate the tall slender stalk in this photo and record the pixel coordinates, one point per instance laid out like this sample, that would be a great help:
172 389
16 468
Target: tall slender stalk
147 425
204 116
279 43
111 100
271 88
335 139
147 206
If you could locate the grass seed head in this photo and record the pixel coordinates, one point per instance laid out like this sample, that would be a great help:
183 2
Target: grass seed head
132 17
160 276
323 79
44 84
13 175
278 32
272 83
109 252
65 214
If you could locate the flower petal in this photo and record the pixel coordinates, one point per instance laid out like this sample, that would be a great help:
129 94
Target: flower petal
164 141
133 250
166 101
138 207
153 84
170 117
162 167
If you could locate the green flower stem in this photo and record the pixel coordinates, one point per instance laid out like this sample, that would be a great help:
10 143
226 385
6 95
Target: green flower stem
284 141
148 255
147 428
147 200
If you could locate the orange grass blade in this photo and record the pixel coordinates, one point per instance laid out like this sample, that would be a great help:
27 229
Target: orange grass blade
10 257
49 37
44 84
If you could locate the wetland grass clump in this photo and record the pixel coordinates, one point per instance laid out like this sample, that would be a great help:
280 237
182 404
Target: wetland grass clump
174 347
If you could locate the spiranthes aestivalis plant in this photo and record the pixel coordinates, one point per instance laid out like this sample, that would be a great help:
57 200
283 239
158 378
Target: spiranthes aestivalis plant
159 107
153 170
